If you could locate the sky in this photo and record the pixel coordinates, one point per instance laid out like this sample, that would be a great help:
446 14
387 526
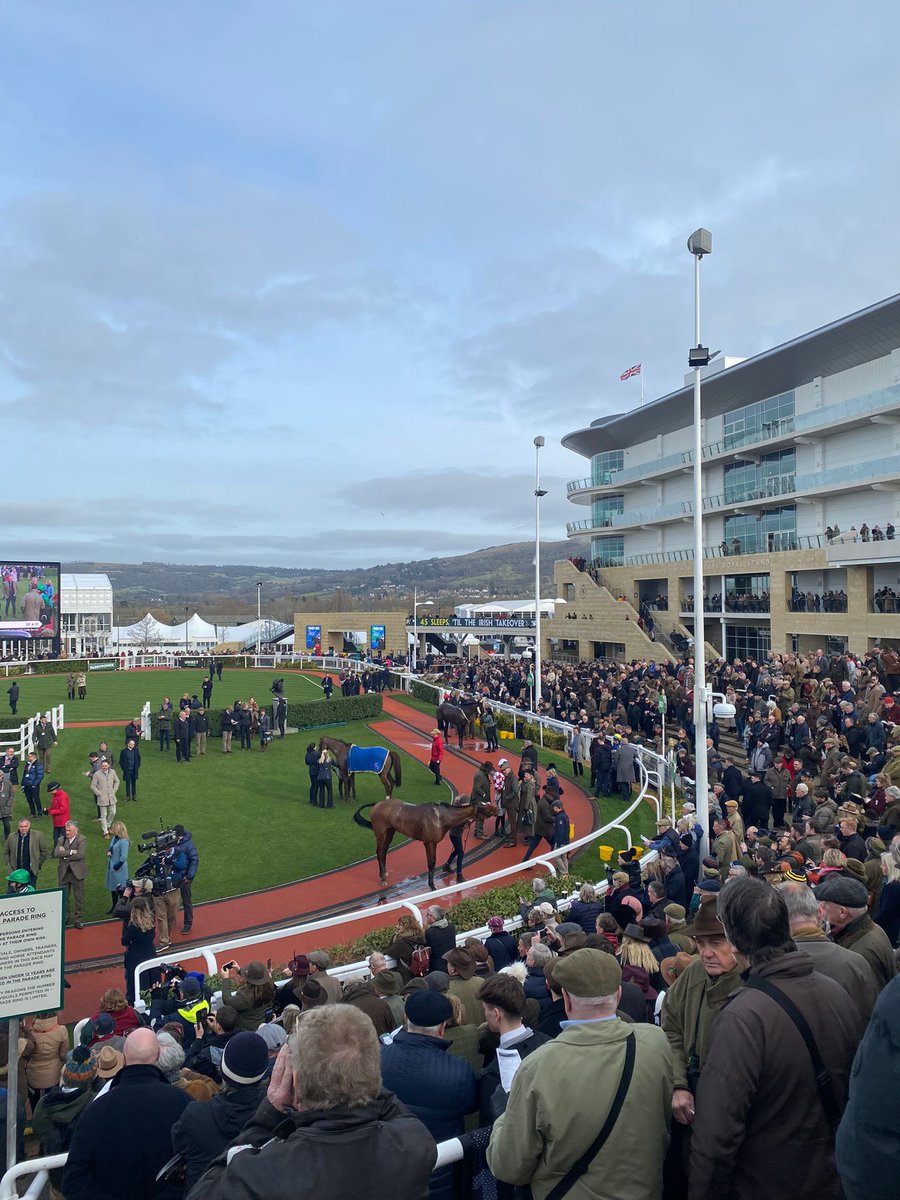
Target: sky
297 284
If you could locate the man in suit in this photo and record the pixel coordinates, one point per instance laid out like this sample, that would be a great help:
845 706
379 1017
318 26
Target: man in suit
72 868
26 850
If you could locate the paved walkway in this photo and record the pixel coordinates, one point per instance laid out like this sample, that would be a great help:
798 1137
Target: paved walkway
293 902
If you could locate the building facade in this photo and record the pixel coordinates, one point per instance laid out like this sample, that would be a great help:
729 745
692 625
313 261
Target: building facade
801 498
86 614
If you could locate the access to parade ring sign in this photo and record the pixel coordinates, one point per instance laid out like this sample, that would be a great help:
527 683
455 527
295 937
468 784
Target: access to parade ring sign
31 953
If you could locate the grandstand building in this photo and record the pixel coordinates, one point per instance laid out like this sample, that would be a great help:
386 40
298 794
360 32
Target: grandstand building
801 486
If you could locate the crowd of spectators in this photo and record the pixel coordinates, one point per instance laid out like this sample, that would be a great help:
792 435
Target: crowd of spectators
780 896
833 533
808 601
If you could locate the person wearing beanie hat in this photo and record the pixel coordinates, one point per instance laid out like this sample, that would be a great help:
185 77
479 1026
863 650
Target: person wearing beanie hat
204 1130
545 1128
500 945
56 1113
80 1068
437 1087
843 904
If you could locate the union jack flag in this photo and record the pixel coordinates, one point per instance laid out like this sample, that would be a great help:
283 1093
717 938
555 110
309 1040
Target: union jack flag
635 370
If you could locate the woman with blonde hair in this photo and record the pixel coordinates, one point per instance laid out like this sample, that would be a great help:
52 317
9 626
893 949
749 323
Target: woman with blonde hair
888 914
116 862
139 940
409 936
124 1017
639 965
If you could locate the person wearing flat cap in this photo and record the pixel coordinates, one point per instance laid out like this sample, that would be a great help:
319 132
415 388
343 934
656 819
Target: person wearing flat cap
548 1124
437 1087
842 903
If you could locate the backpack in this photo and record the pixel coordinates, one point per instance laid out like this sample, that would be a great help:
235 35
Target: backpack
420 961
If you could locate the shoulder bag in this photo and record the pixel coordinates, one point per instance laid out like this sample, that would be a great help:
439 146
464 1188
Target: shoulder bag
575 1172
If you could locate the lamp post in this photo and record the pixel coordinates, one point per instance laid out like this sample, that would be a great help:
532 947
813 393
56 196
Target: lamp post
539 492
258 615
699 243
417 604
186 611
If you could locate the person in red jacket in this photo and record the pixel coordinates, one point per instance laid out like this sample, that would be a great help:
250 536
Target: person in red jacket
437 755
58 811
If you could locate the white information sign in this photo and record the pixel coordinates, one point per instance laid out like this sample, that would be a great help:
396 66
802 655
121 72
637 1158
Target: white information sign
31 953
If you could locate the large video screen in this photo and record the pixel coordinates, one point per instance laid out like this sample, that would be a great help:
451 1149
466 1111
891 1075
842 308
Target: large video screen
29 600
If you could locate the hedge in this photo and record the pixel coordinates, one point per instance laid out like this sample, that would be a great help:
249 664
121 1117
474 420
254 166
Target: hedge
311 714
471 913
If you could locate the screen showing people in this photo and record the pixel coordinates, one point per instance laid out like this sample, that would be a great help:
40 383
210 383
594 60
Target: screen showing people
30 600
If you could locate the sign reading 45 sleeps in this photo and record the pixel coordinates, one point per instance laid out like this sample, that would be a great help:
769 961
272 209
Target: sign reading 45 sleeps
473 622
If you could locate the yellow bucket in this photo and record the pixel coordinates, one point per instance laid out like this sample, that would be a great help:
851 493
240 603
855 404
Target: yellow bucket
505 733
638 851
606 853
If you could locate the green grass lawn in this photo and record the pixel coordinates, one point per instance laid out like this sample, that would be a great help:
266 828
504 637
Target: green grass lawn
642 821
248 811
120 695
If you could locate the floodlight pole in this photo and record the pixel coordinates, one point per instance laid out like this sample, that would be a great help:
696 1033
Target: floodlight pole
538 493
699 243
186 611
258 618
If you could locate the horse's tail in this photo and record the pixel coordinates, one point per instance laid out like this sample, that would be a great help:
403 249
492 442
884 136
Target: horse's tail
395 766
361 820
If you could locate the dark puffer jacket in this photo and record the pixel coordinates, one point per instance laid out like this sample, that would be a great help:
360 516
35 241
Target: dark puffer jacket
868 1139
204 1130
327 1154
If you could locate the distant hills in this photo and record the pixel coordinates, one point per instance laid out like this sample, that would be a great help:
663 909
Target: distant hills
504 572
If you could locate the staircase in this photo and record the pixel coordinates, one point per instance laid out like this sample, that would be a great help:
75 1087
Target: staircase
612 620
731 744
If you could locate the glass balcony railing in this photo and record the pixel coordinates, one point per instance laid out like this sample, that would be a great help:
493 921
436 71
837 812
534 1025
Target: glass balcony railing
588 525
871 403
601 479
781 541
848 475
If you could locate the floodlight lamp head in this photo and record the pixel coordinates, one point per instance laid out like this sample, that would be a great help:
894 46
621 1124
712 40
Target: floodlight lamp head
700 243
538 442
539 492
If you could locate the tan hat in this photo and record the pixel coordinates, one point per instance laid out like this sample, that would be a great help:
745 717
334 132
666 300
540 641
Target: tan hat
671 968
587 973
462 962
110 1062
731 803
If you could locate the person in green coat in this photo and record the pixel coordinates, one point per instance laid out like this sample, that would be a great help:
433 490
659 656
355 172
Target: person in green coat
562 1090
250 991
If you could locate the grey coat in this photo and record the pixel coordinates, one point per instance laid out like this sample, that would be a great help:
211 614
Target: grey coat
626 763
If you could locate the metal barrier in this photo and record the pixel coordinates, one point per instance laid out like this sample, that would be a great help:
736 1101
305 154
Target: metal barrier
652 772
448 1152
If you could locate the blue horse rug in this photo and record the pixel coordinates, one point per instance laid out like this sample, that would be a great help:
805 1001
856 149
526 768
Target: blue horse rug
366 758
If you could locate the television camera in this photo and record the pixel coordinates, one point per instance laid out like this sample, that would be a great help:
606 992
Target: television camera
159 846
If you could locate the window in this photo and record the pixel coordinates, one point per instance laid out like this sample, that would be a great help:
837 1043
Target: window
603 464
756 422
605 507
762 532
747 641
772 475
608 551
746 593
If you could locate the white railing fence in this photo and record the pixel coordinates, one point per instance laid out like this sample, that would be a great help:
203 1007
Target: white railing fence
651 775
20 738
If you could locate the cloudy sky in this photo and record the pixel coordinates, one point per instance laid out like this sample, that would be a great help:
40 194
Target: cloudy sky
297 283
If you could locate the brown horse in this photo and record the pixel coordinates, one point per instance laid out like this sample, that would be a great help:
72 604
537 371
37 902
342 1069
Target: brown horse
425 823
460 714
389 774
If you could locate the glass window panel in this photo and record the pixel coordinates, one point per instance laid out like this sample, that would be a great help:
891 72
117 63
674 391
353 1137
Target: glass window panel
608 551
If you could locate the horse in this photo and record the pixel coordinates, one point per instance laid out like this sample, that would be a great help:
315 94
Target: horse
460 715
352 759
425 823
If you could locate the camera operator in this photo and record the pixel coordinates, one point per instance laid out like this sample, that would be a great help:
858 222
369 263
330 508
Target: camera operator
179 997
212 1036
184 868
165 898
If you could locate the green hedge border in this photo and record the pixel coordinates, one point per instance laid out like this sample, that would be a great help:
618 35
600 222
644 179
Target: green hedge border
310 715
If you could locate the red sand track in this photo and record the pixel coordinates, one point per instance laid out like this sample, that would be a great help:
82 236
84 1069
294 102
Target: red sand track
290 903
